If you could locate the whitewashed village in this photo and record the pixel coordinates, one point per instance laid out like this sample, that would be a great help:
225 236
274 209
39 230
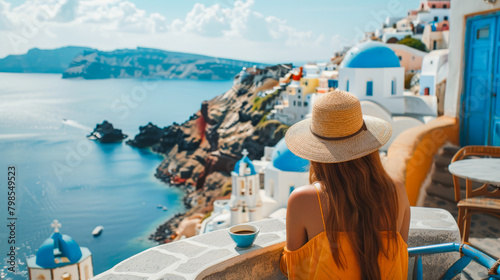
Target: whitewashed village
397 83
420 92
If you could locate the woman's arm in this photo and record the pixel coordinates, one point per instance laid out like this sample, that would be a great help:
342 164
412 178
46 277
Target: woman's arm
296 234
404 211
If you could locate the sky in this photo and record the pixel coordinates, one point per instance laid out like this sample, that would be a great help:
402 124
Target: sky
254 30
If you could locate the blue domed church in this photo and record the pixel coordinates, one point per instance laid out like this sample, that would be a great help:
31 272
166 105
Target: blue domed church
60 258
282 175
245 203
371 71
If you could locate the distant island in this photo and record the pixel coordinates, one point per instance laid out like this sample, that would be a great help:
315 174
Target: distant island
88 63
153 63
41 61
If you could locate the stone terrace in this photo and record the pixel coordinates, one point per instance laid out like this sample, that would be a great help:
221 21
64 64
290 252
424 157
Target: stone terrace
215 256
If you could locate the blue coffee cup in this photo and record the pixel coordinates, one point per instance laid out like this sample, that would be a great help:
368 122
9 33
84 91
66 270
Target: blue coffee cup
244 235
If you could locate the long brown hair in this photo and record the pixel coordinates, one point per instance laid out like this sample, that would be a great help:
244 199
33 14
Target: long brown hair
361 202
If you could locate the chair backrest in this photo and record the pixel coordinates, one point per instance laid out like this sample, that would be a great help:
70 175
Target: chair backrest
482 151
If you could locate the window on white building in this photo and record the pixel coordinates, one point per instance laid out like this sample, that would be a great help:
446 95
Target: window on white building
393 86
369 88
294 103
347 86
299 103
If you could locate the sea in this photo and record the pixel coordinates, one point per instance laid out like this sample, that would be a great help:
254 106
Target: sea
61 175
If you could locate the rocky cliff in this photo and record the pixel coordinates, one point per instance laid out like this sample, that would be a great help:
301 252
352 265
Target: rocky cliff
201 153
152 63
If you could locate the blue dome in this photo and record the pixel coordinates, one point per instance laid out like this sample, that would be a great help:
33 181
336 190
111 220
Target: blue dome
249 163
370 54
284 160
58 250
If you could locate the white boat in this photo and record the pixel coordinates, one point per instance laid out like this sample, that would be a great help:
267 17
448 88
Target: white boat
164 208
97 230
159 206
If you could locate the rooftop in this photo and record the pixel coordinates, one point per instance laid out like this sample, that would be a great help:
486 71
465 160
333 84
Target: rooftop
370 54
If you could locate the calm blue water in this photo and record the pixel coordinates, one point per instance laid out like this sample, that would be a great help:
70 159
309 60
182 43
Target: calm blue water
62 175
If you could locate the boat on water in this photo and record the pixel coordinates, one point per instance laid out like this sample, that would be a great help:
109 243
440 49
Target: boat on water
165 208
97 231
159 206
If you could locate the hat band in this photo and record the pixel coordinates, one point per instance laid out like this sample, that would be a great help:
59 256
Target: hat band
363 128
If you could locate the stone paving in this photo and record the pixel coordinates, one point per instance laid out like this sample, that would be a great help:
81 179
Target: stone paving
485 229
215 256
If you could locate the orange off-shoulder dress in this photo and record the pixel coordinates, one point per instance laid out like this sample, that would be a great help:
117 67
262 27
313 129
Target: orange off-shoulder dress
315 261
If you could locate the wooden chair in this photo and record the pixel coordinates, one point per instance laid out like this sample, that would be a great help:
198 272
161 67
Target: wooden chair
484 199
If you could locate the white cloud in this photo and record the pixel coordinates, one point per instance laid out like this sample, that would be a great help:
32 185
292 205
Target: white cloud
4 20
119 15
241 21
67 11
113 15
235 30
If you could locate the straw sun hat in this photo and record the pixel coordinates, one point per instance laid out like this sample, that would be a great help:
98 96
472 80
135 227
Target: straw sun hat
337 131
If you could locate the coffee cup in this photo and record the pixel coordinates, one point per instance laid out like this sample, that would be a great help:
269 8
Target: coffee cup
244 235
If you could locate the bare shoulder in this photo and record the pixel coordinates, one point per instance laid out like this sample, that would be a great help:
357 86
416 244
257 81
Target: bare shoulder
302 193
301 197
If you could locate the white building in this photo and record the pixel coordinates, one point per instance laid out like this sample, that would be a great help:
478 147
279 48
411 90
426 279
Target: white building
434 71
430 15
60 258
390 21
404 25
282 174
295 103
391 35
372 71
245 202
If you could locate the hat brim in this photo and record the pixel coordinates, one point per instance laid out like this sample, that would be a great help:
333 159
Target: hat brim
304 144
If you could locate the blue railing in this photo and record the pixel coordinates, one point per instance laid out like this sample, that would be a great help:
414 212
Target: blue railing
468 253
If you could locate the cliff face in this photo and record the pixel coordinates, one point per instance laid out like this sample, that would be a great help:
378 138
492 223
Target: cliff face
200 153
152 63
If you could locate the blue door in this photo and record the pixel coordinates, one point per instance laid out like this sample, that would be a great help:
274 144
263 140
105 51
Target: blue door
494 135
477 105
